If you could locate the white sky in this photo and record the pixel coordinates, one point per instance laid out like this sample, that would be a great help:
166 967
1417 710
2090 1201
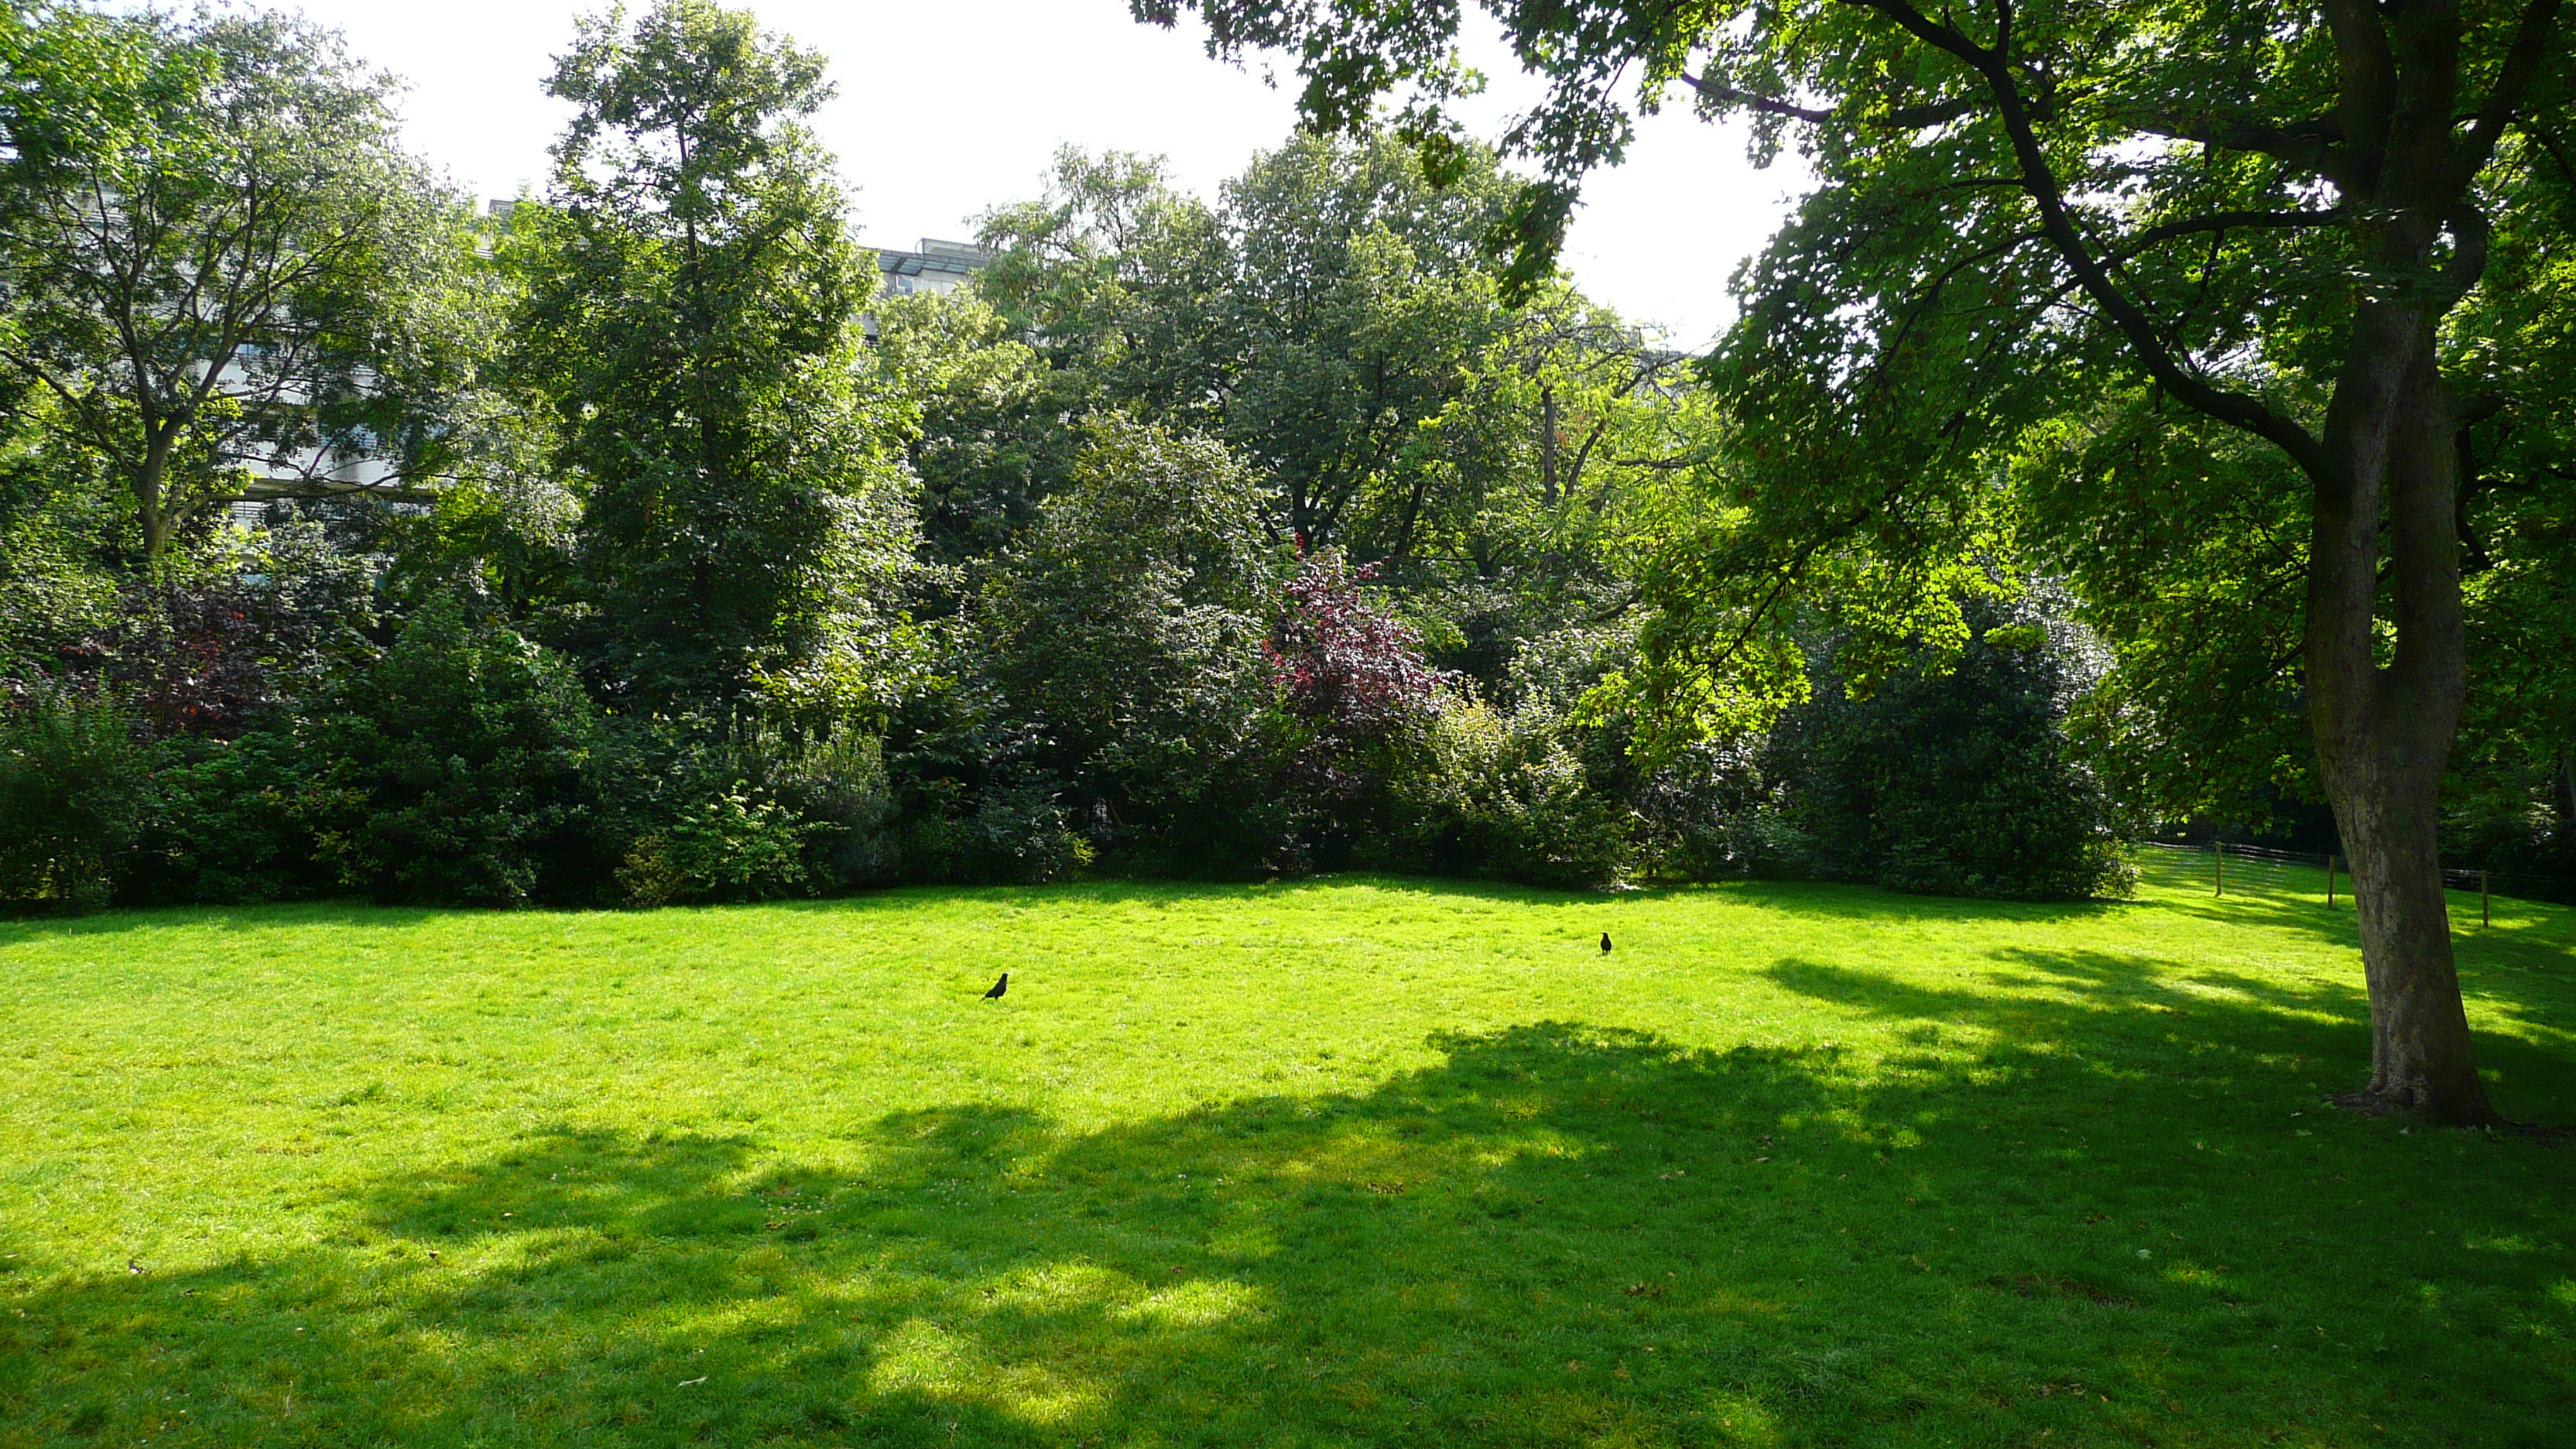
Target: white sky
948 107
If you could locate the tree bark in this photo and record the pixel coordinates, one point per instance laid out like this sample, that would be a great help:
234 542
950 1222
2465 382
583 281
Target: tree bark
2384 729
150 493
1547 446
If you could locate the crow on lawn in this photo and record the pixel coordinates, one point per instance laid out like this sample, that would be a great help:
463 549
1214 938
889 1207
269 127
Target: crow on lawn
999 987
1605 943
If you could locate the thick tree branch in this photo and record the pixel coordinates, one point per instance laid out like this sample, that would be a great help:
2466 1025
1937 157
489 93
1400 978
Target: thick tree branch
1906 118
1767 105
2306 146
2477 409
2218 221
2548 145
2522 63
2366 92
1794 568
2237 410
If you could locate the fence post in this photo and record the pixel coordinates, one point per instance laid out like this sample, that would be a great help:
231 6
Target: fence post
2486 915
2218 853
2330 865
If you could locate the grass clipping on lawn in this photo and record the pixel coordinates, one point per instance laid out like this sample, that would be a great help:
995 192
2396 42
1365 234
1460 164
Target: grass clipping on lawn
1356 1161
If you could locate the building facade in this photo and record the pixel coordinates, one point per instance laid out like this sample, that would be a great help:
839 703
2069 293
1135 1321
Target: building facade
938 266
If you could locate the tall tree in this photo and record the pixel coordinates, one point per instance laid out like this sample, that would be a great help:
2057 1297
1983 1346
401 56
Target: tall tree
1121 274
1313 321
217 254
1358 298
1564 413
991 441
1130 626
2260 211
693 317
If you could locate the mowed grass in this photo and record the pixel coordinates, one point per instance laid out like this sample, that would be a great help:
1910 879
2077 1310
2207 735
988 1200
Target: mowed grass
1358 1161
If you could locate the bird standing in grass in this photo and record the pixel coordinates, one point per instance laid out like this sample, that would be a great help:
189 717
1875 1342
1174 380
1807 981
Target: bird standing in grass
1605 943
999 987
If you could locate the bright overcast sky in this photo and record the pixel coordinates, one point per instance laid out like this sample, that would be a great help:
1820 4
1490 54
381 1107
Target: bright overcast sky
947 108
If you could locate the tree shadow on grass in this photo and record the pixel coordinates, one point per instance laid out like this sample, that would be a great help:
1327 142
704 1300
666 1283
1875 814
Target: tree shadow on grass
109 927
2523 1057
1798 898
1830 901
2531 935
2147 1008
2064 1214
2115 981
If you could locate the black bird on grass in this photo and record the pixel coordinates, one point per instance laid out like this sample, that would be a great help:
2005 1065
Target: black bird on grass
999 987
1605 943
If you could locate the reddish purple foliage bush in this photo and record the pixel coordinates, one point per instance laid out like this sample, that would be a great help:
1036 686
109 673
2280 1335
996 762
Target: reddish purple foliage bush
1349 670
209 655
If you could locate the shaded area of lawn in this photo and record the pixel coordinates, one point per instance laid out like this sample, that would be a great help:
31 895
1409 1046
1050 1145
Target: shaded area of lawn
1564 1235
2023 1194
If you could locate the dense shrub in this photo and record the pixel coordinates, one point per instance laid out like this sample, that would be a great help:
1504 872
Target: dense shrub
455 764
1009 827
726 848
74 791
1350 669
839 789
221 645
2517 821
1705 815
1952 782
681 810
1128 636
1483 793
1351 678
231 824
969 796
50 600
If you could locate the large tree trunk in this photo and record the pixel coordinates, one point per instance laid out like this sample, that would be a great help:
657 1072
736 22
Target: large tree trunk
2384 729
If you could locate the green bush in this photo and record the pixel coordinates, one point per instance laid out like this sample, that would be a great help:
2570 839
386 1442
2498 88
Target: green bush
454 767
727 848
837 788
231 824
1702 815
1484 793
1125 638
1953 783
75 787
1010 828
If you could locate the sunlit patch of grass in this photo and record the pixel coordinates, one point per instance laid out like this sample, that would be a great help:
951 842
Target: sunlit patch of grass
1343 1162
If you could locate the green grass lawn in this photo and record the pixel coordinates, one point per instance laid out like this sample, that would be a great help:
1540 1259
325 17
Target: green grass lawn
1358 1161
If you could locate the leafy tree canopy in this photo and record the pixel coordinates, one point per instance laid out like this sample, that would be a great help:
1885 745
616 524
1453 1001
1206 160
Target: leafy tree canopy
692 315
218 259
